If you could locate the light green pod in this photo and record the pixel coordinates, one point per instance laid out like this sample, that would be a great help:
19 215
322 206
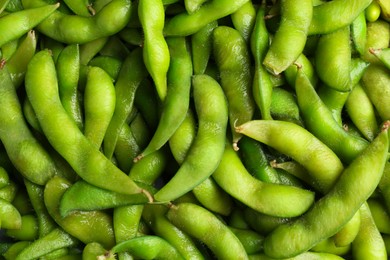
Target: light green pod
333 59
99 105
155 49
208 228
207 148
376 83
331 212
362 112
368 243
290 37
349 232
378 36
233 61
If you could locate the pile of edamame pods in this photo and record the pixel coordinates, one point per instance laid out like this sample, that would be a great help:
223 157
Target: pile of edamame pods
194 129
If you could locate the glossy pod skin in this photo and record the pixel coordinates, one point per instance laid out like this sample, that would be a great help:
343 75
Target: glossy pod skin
322 163
207 13
155 49
329 17
202 224
337 207
66 28
64 141
290 38
22 144
232 176
232 58
208 145
23 21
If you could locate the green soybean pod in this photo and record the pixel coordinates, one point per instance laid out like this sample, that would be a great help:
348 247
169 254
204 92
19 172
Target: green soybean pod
45 221
82 196
349 231
262 85
359 33
185 24
375 82
380 215
88 162
70 28
251 240
284 106
155 216
378 36
362 112
244 19
54 240
90 49
26 153
99 105
200 223
17 63
208 193
155 48
383 54
82 8
87 226
368 243
192 6
232 58
15 248
131 74
316 116
201 47
145 247
10 217
330 213
322 163
207 148
333 59
254 158
232 176
27 231
177 101
333 15
3 5
23 21
303 256
290 37
307 66
328 246
68 73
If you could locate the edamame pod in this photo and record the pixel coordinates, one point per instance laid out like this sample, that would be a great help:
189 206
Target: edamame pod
177 101
99 105
232 176
202 224
26 153
337 207
68 73
336 14
184 24
82 196
232 58
368 243
376 83
319 121
70 29
145 247
333 59
155 49
131 74
23 21
262 85
155 216
56 239
290 37
321 162
89 163
206 150
88 226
